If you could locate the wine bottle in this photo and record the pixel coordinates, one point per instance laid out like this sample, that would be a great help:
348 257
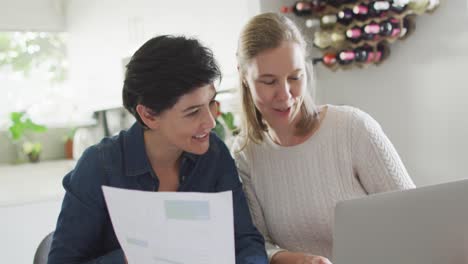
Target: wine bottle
318 5
433 4
390 28
361 12
418 7
379 8
345 57
326 39
305 8
371 31
300 8
414 6
399 6
400 2
364 54
329 20
354 34
336 3
339 3
334 38
343 17
310 23
329 60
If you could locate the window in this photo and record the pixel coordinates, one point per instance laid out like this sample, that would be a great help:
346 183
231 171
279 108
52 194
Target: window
33 77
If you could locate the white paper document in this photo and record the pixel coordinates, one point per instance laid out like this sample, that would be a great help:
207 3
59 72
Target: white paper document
173 227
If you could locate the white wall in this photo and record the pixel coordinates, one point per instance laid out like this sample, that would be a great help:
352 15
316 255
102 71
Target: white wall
37 15
103 32
419 95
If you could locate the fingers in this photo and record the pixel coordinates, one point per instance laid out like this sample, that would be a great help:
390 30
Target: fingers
306 260
317 260
312 259
321 260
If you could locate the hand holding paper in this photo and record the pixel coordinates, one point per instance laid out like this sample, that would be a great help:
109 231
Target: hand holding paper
173 227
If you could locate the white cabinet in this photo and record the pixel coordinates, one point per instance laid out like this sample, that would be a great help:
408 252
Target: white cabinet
30 200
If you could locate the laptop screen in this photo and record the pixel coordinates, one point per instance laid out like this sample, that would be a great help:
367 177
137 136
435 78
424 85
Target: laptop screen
418 226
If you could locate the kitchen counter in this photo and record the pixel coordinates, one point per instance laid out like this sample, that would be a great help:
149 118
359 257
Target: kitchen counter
33 182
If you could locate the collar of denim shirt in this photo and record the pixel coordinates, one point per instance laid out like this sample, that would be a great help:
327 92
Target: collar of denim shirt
136 160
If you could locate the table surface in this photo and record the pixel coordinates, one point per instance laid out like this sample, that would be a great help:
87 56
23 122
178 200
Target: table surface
33 182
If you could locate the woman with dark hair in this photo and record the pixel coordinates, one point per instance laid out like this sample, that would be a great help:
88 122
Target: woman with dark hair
169 88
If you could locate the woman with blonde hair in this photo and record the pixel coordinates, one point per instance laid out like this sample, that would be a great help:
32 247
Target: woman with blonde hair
296 159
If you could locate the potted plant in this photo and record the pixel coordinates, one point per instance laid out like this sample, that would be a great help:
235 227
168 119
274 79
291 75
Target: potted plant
32 150
225 127
68 139
20 125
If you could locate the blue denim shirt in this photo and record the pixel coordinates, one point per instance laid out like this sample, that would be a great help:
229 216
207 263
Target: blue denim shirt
84 233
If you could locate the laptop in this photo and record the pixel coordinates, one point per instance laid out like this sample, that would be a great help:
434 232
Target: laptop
419 226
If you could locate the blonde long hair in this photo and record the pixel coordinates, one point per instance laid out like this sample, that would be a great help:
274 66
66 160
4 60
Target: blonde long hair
263 32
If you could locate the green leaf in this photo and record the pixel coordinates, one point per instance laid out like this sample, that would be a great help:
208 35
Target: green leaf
228 119
21 125
219 130
29 125
15 132
16 116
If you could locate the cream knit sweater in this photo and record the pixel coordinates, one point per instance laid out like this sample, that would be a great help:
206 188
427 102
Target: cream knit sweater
292 191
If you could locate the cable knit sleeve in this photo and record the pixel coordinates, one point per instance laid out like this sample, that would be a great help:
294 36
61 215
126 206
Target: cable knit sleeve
243 168
375 160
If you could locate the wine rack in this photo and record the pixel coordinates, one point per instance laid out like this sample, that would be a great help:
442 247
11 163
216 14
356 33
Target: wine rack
358 33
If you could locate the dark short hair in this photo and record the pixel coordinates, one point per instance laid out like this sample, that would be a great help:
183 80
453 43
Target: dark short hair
165 68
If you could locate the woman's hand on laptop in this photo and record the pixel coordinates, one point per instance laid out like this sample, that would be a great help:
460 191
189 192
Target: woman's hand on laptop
287 257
